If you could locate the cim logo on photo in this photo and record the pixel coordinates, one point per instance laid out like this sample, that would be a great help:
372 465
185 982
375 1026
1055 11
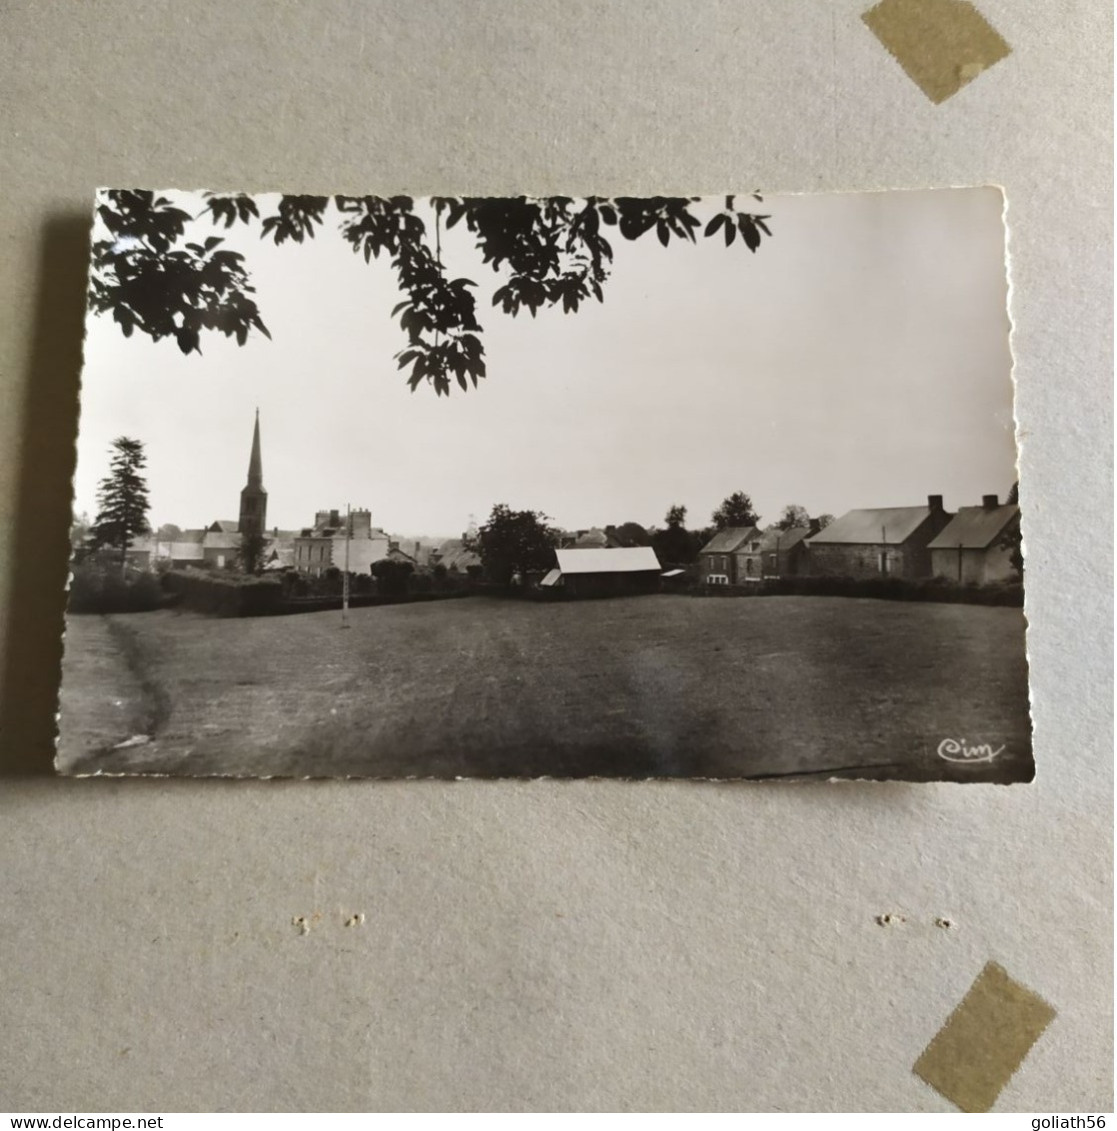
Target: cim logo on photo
956 750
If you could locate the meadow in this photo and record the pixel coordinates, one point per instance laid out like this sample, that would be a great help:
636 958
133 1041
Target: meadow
654 686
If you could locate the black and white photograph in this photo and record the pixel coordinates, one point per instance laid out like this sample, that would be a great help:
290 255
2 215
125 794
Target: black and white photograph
711 487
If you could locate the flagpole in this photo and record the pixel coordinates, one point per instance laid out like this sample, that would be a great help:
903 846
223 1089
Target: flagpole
345 578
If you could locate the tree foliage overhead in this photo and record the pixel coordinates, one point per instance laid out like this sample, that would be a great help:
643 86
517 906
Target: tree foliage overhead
736 510
151 279
550 251
514 541
122 499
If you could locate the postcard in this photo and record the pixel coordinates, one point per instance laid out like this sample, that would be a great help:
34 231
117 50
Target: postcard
709 487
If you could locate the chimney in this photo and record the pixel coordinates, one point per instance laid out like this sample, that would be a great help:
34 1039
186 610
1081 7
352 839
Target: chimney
989 502
417 549
934 502
335 518
815 527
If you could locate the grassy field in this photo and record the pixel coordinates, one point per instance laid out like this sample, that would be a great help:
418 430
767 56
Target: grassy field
645 686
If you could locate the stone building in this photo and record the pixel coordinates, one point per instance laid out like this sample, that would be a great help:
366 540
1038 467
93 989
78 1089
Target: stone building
319 547
748 559
878 542
783 553
717 561
976 546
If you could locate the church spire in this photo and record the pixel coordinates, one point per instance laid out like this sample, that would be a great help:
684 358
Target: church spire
254 499
255 464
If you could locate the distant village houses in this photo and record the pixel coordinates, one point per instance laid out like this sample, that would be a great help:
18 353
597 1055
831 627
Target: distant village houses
310 550
973 547
979 545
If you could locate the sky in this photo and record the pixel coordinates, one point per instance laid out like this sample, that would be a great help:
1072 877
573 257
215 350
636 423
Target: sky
860 358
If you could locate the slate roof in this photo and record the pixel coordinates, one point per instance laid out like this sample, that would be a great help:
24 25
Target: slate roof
162 550
782 540
597 538
454 555
865 527
222 542
975 528
730 539
284 554
627 559
224 526
182 551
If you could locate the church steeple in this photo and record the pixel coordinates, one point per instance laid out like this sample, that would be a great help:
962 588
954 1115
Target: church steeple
255 464
254 499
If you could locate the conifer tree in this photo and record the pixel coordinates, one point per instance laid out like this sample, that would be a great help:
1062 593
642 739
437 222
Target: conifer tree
122 499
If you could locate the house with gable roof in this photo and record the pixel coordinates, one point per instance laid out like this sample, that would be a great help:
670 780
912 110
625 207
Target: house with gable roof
975 547
879 542
455 557
717 560
783 553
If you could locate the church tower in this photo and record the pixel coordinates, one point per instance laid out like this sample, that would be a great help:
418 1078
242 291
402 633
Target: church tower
254 499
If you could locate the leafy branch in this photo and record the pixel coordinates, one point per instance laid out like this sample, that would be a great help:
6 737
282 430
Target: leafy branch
151 282
550 251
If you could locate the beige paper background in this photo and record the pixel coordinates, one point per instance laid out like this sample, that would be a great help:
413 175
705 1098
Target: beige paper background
546 945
